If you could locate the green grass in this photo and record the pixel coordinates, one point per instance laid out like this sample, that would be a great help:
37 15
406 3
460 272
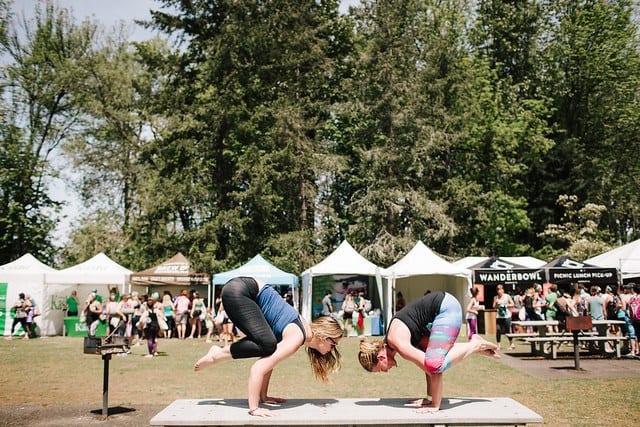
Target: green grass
55 371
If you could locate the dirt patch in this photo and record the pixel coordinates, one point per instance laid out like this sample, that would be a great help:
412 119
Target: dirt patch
76 415
564 366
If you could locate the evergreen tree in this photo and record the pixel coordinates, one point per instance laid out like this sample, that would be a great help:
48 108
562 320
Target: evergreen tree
38 113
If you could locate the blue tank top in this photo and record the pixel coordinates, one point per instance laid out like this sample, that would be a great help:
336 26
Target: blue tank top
278 313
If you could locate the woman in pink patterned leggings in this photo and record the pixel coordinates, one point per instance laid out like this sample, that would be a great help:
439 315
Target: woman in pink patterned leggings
425 333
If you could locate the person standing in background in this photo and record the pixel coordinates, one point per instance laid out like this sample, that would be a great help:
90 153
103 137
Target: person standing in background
196 316
93 310
150 324
136 333
33 311
169 313
552 311
72 304
472 313
181 307
20 308
327 305
348 307
502 303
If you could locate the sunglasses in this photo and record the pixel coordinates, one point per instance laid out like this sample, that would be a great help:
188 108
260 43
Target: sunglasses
332 341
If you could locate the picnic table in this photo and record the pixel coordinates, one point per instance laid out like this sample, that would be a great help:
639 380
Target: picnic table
539 331
547 343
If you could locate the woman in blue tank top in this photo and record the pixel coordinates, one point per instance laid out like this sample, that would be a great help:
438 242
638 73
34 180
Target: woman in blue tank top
424 332
273 331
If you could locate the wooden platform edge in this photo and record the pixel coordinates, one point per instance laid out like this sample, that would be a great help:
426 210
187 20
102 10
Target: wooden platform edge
355 412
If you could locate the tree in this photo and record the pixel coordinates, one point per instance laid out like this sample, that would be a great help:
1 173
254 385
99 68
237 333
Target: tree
509 133
251 103
38 113
578 235
593 66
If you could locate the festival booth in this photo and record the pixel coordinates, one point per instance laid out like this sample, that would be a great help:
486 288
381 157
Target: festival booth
493 271
625 258
422 270
26 274
260 268
173 275
343 271
100 273
564 271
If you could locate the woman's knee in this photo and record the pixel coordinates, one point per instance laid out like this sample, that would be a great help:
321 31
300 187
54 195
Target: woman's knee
268 345
435 364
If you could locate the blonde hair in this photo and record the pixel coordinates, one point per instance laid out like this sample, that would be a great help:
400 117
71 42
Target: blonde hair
368 355
324 364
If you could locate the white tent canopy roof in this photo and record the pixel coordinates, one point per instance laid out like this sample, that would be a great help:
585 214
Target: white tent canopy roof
525 261
27 263
420 270
99 270
626 258
344 260
421 260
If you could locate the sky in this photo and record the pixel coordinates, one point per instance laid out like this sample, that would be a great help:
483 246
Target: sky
109 13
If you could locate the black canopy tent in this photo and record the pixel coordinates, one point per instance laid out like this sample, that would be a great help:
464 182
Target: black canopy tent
495 271
564 271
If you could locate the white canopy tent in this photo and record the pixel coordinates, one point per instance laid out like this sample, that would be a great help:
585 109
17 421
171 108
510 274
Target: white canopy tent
344 260
26 274
421 270
625 258
100 273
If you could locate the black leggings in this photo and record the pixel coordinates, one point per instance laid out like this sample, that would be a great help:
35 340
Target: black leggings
22 321
239 300
503 326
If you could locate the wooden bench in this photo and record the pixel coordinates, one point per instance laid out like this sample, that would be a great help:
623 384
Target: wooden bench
556 341
477 411
521 335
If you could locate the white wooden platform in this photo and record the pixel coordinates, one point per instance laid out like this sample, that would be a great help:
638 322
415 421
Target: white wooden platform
468 411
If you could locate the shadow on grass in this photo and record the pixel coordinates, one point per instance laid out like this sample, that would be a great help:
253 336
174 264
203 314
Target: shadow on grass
116 410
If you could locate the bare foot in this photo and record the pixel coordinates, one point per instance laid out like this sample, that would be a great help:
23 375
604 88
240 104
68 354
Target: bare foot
208 359
419 402
490 353
483 344
262 412
428 409
273 400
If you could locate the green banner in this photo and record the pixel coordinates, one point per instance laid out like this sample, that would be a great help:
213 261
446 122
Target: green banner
4 313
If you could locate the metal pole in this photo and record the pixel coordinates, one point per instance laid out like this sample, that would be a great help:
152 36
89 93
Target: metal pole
105 386
576 350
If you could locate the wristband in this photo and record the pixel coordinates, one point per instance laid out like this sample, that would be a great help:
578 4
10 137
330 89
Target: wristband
251 411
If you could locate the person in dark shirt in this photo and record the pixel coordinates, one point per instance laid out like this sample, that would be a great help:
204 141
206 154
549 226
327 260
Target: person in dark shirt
425 333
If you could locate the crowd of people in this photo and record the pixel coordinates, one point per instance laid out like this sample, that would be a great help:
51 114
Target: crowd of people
142 317
621 303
